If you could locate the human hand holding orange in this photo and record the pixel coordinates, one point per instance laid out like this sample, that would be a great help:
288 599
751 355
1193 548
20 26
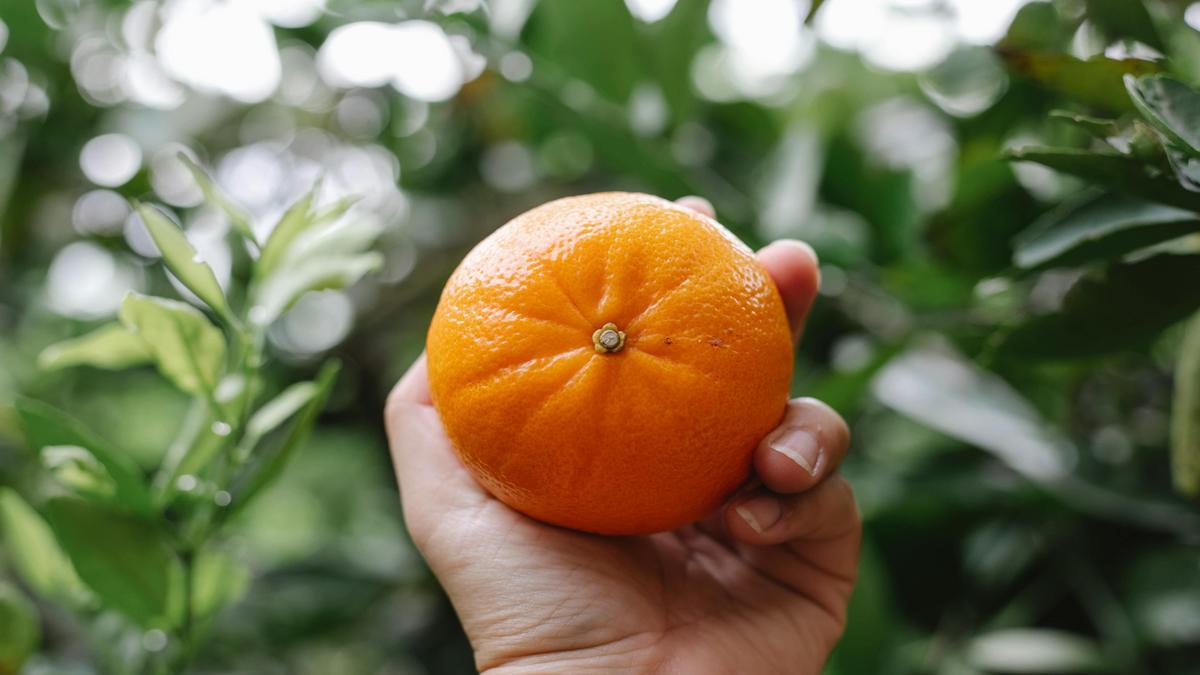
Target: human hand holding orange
759 585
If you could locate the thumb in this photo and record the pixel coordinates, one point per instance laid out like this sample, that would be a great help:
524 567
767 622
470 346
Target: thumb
432 480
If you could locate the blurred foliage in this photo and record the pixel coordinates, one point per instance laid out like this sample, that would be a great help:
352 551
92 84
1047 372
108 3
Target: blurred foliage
1010 237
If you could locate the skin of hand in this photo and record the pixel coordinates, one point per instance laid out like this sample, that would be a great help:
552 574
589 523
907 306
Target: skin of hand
759 586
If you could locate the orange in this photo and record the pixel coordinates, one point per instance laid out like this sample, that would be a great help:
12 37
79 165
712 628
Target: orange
609 362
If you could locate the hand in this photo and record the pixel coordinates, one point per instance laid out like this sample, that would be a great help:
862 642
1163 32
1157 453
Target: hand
760 586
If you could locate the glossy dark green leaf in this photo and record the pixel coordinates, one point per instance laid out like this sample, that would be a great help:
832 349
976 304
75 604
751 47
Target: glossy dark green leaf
186 347
1170 106
34 552
238 217
111 347
1094 82
181 258
1100 228
20 629
1121 173
45 427
127 561
1122 307
294 221
1124 19
1185 414
271 462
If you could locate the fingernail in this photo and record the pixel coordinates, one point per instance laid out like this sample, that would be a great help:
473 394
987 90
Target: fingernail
760 513
799 445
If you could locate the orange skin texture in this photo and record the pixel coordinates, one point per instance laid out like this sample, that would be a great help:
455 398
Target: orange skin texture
635 441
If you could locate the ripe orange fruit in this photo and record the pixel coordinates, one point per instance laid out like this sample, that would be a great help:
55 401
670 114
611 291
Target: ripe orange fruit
609 362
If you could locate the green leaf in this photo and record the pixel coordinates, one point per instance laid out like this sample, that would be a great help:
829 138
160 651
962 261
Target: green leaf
1100 228
187 348
196 446
295 220
938 388
334 238
125 560
812 10
1185 414
278 410
1099 127
1124 19
1121 173
182 259
46 427
111 347
1035 650
237 216
20 630
78 470
272 462
1124 306
35 553
1170 106
1095 82
579 39
284 288
217 580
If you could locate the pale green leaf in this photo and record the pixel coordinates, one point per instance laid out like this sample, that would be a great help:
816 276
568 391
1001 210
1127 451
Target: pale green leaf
217 580
187 348
237 216
271 463
1185 414
182 259
283 289
127 561
277 411
111 347
35 553
335 238
1035 650
295 220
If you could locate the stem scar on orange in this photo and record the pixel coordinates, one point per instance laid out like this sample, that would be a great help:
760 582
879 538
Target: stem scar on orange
609 362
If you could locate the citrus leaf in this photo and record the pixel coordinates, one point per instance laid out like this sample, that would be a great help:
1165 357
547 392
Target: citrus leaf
940 389
125 560
1124 306
46 427
283 289
187 348
200 440
182 259
334 238
1170 106
1035 650
20 630
111 347
1121 173
1124 19
272 462
237 216
1099 127
217 580
1095 82
278 410
294 221
1099 228
35 552
1185 414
